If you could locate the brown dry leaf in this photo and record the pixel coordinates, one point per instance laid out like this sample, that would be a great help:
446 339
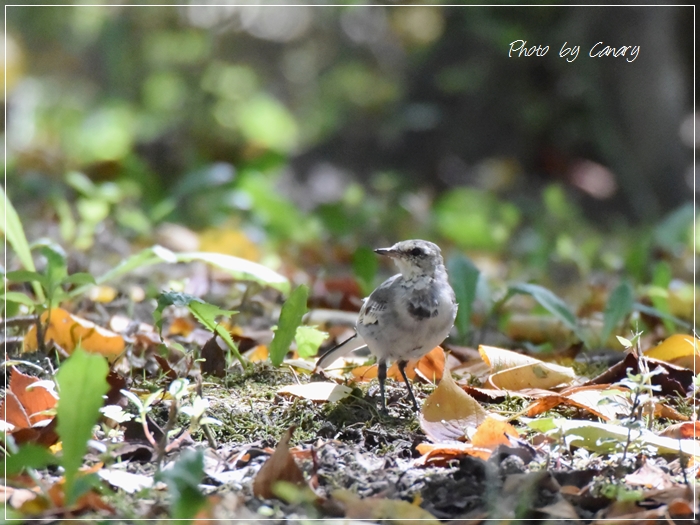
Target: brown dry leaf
680 350
26 400
398 511
514 371
449 412
317 391
690 430
492 433
69 331
651 477
665 411
279 467
587 397
214 358
362 374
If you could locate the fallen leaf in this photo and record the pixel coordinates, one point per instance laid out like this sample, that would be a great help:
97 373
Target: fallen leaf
182 326
127 481
681 350
492 433
514 371
26 400
651 477
214 358
317 391
429 367
605 438
279 467
441 454
449 412
69 331
398 511
689 430
587 397
102 293
257 354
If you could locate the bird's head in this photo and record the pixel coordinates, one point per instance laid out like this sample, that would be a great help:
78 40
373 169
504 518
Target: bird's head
414 257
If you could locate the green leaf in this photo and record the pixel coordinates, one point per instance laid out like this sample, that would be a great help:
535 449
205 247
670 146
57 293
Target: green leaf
171 299
309 340
553 304
206 314
26 276
183 484
18 297
292 313
618 308
14 233
28 456
661 280
464 277
79 279
82 383
650 310
365 265
241 269
148 257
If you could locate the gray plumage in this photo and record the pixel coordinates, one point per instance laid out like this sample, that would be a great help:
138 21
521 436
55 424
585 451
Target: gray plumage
409 314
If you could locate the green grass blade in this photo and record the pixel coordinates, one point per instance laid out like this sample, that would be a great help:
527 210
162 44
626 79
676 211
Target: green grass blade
293 311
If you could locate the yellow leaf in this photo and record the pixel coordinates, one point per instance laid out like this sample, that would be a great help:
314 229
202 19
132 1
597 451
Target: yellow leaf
679 349
68 331
230 242
449 411
513 371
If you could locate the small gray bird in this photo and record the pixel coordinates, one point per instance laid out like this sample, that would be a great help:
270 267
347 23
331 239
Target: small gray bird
408 315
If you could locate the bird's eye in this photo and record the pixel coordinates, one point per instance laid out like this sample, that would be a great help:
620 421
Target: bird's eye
417 252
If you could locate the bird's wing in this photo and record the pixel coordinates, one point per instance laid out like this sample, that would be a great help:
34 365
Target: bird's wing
378 302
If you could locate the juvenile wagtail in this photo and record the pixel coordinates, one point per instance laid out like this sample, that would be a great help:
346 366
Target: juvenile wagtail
408 315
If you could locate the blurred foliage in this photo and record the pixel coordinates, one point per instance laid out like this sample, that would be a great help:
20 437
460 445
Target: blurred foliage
349 125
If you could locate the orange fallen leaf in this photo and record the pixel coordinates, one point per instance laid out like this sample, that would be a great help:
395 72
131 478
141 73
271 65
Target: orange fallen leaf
429 367
279 467
492 433
257 354
440 454
26 401
182 326
68 331
688 430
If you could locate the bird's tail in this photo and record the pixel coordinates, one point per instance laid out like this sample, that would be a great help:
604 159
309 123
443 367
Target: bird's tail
334 353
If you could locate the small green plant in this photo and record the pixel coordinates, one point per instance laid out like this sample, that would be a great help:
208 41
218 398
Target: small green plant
204 312
291 315
639 394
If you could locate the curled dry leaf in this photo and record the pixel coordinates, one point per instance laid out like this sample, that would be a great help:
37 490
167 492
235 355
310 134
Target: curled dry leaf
514 371
68 331
27 400
449 412
317 391
589 398
689 430
279 467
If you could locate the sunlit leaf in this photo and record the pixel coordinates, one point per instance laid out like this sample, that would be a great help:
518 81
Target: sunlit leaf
82 383
464 277
317 391
679 349
514 371
309 340
291 315
619 306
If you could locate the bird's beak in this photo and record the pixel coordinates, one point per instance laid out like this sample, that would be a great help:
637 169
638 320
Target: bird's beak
385 251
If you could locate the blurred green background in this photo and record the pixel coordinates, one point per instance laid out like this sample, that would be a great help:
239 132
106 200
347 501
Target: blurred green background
296 129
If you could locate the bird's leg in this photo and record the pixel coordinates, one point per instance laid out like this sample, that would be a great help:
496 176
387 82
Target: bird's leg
381 374
402 369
